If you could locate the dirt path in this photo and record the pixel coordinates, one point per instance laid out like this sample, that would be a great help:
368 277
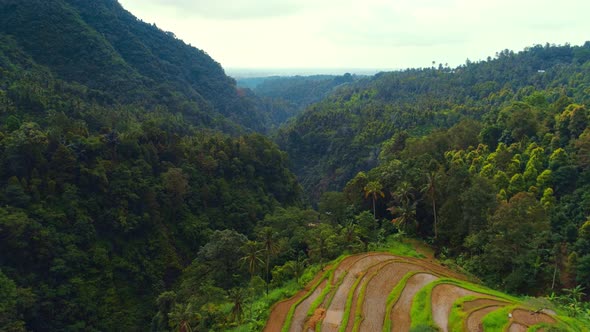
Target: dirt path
335 312
300 315
443 297
400 314
528 318
378 290
473 321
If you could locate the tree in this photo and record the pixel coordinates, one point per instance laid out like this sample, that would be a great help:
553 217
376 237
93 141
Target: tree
270 247
220 255
511 244
373 189
236 295
251 256
406 214
183 318
430 190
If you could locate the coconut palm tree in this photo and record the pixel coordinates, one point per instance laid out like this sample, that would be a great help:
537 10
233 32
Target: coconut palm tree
373 189
430 190
236 295
270 247
252 254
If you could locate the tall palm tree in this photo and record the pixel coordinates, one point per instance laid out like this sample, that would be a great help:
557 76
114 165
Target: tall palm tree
430 190
270 246
373 189
252 254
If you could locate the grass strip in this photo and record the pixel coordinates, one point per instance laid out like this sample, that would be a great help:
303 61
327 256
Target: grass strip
328 274
458 316
349 302
393 297
421 311
358 317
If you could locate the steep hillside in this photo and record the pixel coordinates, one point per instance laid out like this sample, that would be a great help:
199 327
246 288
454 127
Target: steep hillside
103 47
384 292
337 137
113 171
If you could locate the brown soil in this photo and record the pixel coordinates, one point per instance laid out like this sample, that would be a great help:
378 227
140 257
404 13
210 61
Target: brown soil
528 318
478 303
300 315
317 316
335 312
279 312
515 327
369 275
443 297
437 268
473 321
400 314
377 291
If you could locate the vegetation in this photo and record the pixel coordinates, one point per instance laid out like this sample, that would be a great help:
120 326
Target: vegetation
138 192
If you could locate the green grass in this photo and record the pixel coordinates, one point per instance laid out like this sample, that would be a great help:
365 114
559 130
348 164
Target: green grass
358 317
458 316
346 314
393 297
497 320
422 305
394 245
329 274
289 318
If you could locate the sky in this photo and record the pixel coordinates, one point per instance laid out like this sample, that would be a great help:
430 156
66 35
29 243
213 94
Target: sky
369 34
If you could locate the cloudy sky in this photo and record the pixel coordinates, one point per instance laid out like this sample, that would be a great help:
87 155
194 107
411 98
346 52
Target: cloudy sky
377 34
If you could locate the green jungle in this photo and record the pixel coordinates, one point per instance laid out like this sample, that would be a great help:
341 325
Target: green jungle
143 189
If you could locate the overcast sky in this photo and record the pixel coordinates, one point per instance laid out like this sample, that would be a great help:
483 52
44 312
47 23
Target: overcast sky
377 34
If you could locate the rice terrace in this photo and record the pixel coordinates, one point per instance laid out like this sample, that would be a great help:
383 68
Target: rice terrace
384 292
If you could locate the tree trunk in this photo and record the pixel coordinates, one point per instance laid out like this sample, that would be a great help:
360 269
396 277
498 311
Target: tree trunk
434 212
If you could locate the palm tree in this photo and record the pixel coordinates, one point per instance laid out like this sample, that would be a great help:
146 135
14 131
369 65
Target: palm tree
297 267
404 193
183 317
270 247
373 189
430 190
406 213
236 295
252 258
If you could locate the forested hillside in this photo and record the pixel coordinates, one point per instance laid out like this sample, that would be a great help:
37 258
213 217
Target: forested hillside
341 135
103 47
488 161
111 181
136 195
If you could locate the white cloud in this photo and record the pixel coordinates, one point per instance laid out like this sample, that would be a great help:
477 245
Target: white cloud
364 34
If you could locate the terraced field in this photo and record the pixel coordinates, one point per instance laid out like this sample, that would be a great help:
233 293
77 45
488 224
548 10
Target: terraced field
384 292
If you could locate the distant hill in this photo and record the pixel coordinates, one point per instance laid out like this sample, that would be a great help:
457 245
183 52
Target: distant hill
100 45
284 97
